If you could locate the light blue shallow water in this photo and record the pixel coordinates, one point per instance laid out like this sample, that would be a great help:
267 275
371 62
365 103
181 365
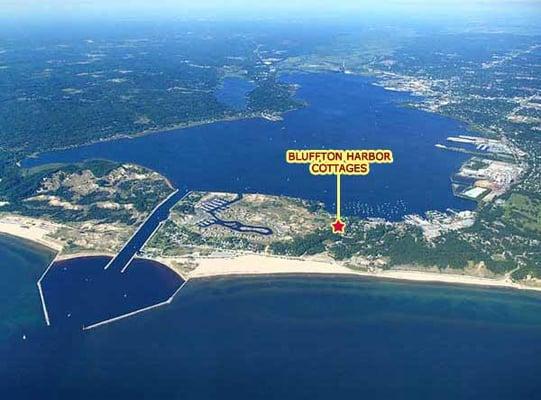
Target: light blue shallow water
21 265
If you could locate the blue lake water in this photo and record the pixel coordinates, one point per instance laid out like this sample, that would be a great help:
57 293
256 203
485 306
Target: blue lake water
290 338
344 112
234 92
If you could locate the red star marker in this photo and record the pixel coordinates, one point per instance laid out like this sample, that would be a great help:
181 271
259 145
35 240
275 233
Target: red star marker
338 226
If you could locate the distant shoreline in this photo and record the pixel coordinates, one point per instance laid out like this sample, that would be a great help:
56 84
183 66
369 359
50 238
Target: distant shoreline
153 131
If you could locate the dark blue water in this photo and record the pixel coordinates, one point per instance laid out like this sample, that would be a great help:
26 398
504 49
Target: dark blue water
79 292
234 92
294 338
344 112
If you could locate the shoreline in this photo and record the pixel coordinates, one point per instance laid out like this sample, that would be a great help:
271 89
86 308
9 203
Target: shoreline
147 132
30 229
251 265
29 242
246 265
68 256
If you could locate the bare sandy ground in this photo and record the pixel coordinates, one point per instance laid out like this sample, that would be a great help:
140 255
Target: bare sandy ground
32 229
67 256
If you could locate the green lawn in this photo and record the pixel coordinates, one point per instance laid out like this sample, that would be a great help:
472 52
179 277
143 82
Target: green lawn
523 212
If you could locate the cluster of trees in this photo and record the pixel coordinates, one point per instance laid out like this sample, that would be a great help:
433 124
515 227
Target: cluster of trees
450 252
271 96
186 206
309 244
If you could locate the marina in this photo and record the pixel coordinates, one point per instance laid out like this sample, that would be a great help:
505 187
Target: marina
212 209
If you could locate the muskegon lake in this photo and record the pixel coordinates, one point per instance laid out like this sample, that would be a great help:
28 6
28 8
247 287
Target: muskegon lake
343 112
277 338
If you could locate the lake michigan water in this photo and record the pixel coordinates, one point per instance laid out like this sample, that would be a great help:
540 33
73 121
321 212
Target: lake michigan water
343 112
21 265
286 338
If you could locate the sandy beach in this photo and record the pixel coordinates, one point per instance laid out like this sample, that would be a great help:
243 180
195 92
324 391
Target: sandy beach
32 229
263 265
67 256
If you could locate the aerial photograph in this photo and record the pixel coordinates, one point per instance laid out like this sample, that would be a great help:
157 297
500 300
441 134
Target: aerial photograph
286 199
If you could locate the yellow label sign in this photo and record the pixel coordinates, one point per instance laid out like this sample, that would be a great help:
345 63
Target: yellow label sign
339 162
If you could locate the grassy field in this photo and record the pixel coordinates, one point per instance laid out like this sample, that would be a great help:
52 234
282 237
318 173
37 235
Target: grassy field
523 212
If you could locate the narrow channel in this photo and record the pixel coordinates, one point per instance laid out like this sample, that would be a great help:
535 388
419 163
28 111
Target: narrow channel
124 257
